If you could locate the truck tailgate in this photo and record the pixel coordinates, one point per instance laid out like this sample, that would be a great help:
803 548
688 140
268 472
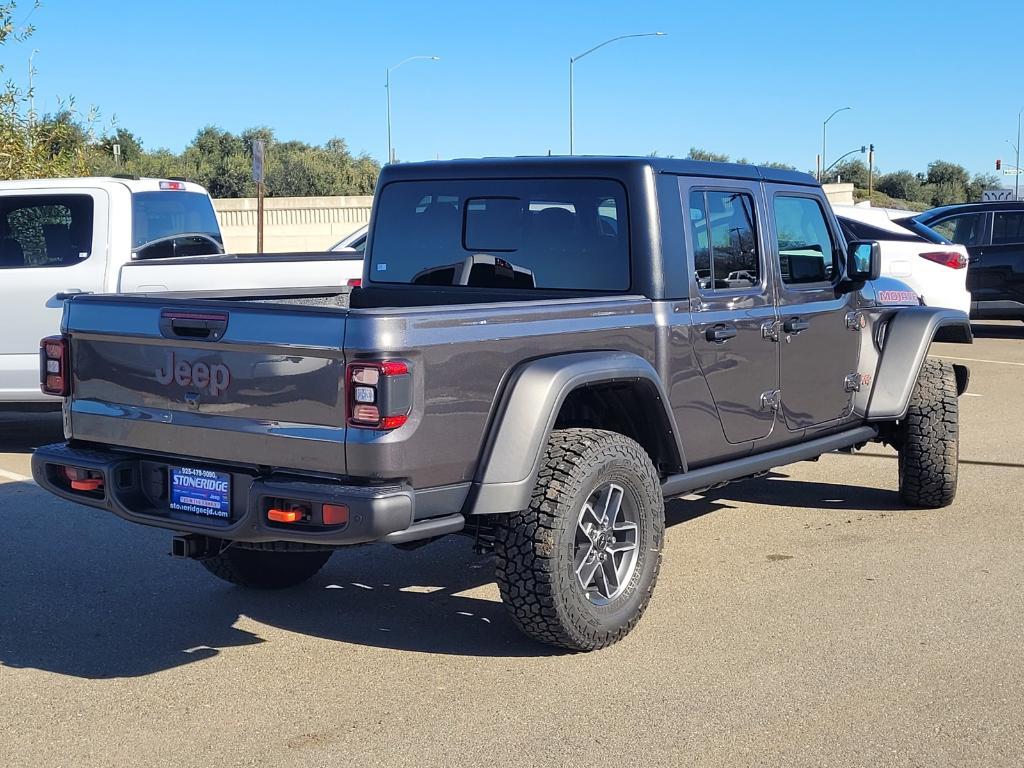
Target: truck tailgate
243 383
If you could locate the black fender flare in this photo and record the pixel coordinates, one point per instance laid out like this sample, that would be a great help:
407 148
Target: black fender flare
908 335
508 468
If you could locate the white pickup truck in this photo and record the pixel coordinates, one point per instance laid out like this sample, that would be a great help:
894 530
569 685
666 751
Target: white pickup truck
60 237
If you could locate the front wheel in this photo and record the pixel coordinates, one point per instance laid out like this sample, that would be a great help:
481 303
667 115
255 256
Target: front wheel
577 568
927 439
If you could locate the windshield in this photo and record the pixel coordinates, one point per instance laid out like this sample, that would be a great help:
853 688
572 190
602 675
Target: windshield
561 234
156 215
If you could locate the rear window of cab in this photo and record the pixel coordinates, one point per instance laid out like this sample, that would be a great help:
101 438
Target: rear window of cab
548 234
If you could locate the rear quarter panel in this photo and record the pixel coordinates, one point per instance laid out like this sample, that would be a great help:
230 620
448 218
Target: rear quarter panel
461 357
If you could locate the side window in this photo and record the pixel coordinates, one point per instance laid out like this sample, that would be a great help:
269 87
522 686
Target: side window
806 251
724 240
51 231
964 229
1008 228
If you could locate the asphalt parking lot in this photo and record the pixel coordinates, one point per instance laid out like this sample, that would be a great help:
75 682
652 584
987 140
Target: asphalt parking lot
801 619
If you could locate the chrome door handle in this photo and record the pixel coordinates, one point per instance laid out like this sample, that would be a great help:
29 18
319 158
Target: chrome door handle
720 334
795 324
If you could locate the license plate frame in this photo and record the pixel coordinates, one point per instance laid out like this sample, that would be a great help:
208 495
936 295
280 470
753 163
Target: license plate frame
199 492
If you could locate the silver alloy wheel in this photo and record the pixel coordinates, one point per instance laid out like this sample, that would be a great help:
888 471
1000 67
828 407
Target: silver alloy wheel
607 533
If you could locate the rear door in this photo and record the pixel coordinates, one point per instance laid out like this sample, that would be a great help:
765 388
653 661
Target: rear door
732 303
51 244
818 350
227 382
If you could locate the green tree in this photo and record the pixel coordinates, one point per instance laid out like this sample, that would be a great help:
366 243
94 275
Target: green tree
902 185
31 147
853 171
696 153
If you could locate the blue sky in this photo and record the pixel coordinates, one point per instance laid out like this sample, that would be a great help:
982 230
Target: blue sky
926 80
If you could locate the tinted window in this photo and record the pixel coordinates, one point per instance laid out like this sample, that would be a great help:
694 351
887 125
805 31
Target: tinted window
964 229
1008 228
858 230
45 231
165 216
503 233
725 244
806 251
925 232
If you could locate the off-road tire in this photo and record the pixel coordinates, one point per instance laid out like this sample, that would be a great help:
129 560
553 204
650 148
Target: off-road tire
261 569
535 548
928 439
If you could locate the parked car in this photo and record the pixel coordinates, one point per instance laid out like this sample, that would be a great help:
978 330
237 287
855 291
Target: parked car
512 369
355 241
932 266
62 237
993 234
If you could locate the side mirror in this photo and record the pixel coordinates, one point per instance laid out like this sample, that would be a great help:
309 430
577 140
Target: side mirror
863 261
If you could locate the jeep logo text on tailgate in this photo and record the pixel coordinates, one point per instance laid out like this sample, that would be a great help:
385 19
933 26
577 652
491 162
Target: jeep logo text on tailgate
213 378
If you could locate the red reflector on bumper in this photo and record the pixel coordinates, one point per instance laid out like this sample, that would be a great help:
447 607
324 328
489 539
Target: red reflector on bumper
335 514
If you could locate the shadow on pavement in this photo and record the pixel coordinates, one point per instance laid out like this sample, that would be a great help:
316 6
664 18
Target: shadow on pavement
23 432
998 330
88 595
778 490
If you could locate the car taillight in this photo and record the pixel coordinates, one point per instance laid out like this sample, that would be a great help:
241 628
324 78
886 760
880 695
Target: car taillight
951 259
54 371
379 394
355 282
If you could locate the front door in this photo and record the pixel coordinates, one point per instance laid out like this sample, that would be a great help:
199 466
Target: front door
732 305
50 244
968 229
818 350
999 264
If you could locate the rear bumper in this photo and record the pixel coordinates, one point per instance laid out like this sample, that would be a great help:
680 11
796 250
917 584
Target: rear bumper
135 489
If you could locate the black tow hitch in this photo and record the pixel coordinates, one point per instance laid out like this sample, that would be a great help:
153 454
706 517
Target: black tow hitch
193 547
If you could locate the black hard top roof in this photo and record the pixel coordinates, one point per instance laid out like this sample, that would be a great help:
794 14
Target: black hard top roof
587 165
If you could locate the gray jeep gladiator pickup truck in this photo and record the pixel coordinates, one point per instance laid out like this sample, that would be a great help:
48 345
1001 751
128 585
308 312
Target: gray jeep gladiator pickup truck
541 351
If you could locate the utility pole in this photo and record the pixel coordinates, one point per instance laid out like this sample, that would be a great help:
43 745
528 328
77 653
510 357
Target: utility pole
258 158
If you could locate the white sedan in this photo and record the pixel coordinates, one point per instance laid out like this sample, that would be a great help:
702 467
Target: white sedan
933 267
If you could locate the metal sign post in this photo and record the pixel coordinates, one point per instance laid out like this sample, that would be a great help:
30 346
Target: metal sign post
258 153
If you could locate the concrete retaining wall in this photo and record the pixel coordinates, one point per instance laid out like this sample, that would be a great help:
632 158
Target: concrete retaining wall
291 223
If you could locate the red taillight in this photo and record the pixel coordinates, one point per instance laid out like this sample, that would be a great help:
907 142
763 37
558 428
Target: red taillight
54 372
951 259
355 282
379 394
173 186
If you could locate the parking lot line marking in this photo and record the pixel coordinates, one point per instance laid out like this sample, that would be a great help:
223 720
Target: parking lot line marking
13 476
978 360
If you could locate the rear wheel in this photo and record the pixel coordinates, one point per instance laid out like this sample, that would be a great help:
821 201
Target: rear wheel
265 569
927 440
577 568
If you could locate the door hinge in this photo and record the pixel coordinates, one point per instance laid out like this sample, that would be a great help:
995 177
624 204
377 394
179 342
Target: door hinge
856 321
770 330
853 382
771 400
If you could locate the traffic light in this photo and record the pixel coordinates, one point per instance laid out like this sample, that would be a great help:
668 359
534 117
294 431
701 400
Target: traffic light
999 165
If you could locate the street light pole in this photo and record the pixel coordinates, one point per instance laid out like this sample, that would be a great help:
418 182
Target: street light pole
1016 177
574 59
823 163
387 88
